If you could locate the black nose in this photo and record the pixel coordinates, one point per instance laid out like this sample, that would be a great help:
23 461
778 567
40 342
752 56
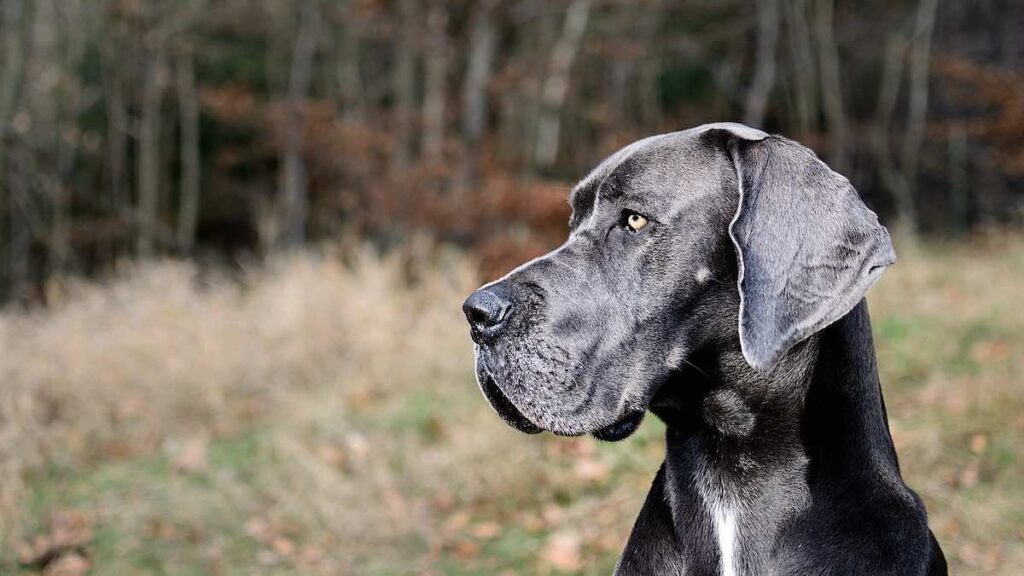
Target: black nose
487 311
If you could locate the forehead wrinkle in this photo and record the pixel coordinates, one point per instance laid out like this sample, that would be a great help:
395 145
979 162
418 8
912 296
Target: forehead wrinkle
609 167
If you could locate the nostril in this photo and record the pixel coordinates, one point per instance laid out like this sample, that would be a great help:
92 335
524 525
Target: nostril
485 309
478 316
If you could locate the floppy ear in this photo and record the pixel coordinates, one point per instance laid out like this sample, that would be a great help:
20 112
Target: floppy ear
807 245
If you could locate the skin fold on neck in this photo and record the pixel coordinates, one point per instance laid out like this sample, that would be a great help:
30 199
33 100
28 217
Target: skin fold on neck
746 450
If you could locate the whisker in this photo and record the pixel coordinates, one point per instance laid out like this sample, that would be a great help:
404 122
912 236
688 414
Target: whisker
697 368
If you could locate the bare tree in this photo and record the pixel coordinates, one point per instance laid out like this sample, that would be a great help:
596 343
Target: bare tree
14 23
294 185
888 98
404 85
650 109
959 189
351 87
69 102
831 89
802 66
482 41
764 67
14 38
900 179
435 80
188 117
117 128
920 65
556 86
21 222
149 151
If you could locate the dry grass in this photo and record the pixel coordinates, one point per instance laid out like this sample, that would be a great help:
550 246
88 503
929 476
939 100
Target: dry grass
320 417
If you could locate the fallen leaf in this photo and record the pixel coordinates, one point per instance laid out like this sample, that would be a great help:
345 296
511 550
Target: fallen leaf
256 528
532 523
283 546
73 564
444 501
486 530
70 533
456 522
969 475
562 551
310 556
192 455
551 514
591 470
466 549
332 456
979 442
990 350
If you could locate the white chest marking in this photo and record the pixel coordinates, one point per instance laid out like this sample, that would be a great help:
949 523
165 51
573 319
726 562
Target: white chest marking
725 529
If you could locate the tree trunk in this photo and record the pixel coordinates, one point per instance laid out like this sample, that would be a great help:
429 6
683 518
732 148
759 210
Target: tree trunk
802 63
556 87
831 89
404 86
539 39
68 53
482 42
14 38
117 142
294 185
15 22
959 186
149 155
888 97
764 68
350 78
920 65
188 117
436 72
650 66
19 194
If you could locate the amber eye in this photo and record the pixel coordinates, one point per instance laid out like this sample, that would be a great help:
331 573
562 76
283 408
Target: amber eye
636 222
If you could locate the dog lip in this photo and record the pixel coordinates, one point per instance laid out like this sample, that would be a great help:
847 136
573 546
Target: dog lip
505 408
622 428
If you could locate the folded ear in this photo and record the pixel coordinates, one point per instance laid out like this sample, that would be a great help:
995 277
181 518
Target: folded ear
807 245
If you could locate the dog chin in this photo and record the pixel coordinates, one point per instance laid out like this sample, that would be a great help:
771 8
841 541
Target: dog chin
504 407
621 429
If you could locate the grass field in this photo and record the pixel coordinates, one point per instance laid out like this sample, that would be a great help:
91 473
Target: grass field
320 417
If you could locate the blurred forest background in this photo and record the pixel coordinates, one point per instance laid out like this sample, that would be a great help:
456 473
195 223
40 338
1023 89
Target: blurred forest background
134 128
234 236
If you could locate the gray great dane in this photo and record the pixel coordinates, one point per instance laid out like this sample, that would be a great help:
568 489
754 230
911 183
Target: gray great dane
716 277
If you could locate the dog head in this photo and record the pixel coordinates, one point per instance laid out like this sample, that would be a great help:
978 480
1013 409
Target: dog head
721 233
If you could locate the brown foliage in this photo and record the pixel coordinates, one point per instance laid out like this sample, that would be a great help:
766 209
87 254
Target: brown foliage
1000 95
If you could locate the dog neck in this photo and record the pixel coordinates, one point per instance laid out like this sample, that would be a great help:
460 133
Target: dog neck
745 449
